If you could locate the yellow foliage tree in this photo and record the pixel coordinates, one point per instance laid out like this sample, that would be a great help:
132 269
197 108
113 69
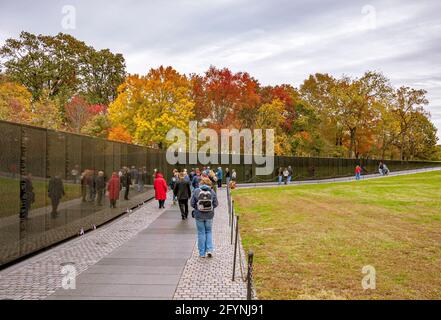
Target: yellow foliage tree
15 102
149 106
271 116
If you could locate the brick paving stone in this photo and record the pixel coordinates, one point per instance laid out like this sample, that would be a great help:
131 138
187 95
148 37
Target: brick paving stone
212 278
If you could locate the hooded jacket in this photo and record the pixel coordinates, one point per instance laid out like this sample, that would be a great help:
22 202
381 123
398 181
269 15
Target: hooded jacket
194 203
160 187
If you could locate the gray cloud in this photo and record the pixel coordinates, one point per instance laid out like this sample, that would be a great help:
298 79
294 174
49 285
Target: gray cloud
278 41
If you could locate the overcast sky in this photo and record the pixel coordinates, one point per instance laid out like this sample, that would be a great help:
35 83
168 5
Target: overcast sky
277 41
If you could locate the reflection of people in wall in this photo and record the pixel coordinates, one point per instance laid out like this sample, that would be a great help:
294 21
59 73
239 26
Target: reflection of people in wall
100 185
75 173
27 195
55 192
113 189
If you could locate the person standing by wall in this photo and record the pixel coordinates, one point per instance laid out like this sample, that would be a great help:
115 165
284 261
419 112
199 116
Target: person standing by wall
100 185
27 195
160 189
285 175
126 181
204 200
114 188
290 172
183 193
55 192
280 175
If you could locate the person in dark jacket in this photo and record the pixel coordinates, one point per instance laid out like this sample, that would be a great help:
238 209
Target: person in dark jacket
126 182
100 185
204 218
196 179
182 192
55 192
27 195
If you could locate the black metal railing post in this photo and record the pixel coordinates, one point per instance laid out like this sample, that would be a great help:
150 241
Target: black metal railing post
235 246
232 220
250 275
229 204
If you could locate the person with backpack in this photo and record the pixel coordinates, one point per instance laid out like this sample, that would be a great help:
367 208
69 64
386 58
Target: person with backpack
161 189
182 192
357 172
204 200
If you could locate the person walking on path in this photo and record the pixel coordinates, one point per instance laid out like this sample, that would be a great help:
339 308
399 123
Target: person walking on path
233 175
213 178
196 179
174 179
183 193
114 188
357 172
160 189
55 192
227 176
204 200
219 175
100 185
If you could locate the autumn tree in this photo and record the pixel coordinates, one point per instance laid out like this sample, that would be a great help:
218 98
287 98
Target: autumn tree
78 113
62 66
408 104
148 107
119 133
15 102
226 99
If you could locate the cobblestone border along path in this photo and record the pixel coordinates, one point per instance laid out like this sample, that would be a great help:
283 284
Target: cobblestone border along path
40 276
211 279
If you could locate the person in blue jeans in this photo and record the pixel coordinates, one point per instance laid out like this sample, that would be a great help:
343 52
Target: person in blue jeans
204 200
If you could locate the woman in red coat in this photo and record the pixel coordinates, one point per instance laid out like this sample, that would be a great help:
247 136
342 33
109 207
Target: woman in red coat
160 189
114 188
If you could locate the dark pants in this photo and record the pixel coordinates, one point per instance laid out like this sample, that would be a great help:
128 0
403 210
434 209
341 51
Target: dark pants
219 183
99 196
113 203
161 203
55 203
126 193
183 206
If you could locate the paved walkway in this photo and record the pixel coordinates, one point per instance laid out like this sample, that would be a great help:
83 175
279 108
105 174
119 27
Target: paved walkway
333 180
148 254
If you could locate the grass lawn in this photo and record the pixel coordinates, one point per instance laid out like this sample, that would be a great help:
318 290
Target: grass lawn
10 195
312 241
